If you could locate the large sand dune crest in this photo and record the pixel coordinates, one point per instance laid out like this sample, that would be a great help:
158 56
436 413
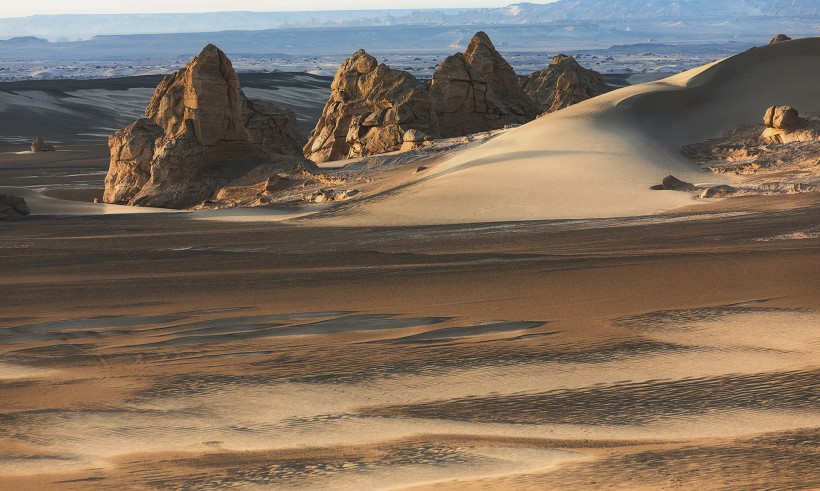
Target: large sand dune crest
599 158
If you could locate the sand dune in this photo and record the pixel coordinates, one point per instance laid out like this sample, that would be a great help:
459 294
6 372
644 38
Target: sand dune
599 158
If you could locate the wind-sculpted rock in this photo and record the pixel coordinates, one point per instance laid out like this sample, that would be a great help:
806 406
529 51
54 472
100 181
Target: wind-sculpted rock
784 125
478 91
200 133
370 110
12 207
563 83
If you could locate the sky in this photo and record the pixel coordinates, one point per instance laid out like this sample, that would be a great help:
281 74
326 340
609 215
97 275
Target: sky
37 7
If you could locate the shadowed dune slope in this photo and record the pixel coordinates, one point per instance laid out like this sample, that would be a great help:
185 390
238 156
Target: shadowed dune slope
599 158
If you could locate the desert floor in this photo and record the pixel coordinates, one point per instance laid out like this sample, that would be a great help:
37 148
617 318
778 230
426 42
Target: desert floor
170 352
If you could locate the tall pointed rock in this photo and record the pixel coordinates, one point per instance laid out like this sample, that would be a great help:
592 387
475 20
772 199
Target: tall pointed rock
199 132
478 91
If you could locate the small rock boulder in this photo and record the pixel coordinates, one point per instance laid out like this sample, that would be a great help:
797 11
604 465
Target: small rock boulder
414 139
672 183
12 207
563 83
717 191
39 145
780 38
784 125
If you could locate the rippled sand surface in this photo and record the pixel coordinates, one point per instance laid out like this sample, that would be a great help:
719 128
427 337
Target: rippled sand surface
158 352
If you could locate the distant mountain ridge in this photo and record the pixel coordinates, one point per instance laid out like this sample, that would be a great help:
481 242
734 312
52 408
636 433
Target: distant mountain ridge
73 27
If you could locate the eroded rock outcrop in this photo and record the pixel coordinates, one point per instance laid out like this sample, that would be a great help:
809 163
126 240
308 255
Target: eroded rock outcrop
478 91
39 145
12 207
784 125
563 83
370 110
199 133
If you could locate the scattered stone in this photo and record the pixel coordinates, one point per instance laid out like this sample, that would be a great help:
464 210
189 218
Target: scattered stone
12 207
200 132
780 38
328 195
563 83
717 191
414 139
39 145
672 183
370 110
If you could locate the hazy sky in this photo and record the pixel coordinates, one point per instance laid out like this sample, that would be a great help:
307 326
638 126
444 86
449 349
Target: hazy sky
16 8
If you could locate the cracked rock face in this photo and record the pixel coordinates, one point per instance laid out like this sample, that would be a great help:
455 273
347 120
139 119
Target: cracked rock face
780 38
784 125
478 91
370 110
200 132
563 83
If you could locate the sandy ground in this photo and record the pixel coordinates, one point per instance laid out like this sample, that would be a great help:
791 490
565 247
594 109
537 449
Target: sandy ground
672 350
163 352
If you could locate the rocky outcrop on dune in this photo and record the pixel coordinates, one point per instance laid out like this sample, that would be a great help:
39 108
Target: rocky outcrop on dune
370 111
12 207
780 38
39 145
478 91
563 83
373 109
784 125
779 156
200 132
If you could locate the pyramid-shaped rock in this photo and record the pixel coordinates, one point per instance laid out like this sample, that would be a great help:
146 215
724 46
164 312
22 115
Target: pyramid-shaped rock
563 83
370 110
478 91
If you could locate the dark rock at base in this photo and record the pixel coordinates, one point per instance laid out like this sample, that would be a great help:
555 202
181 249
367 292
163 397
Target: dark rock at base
12 207
780 38
672 183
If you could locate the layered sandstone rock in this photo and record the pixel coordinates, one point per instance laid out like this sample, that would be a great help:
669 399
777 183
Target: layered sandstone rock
563 83
478 91
784 125
200 132
370 110
12 207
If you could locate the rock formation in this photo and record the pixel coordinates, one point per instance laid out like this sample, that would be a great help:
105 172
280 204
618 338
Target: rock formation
12 207
370 110
200 132
784 125
478 91
38 145
563 83
780 38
